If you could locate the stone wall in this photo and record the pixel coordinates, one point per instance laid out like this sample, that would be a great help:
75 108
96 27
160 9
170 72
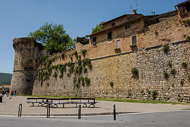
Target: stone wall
151 64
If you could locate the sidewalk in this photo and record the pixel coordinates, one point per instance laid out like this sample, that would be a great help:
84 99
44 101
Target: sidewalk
10 107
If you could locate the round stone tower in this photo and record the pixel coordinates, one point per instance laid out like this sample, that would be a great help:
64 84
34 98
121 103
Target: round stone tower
26 54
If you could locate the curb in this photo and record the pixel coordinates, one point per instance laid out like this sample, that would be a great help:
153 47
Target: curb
90 114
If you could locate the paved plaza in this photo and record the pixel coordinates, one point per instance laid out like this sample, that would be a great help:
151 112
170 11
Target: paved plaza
10 107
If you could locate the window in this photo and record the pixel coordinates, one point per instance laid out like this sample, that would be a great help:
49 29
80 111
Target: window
109 36
127 26
28 80
134 40
118 44
113 24
94 41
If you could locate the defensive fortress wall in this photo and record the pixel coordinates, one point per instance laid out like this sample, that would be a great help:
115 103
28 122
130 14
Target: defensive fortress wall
151 64
146 57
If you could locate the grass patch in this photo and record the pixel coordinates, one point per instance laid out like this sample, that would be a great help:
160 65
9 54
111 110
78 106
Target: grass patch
138 101
119 100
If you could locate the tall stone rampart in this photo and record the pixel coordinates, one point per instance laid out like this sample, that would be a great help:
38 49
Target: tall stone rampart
151 64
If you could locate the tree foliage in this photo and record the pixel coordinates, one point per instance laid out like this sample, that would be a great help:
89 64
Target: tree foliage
97 28
53 37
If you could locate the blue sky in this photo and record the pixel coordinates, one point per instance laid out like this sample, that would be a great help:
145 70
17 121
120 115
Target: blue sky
20 17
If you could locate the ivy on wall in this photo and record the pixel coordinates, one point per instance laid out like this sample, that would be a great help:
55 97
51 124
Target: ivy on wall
82 66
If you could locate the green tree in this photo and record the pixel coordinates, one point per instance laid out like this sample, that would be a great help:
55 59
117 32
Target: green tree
97 28
53 37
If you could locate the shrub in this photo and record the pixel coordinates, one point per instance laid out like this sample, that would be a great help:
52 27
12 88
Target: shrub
83 52
80 69
85 70
134 71
189 77
74 80
186 22
170 64
79 62
182 82
173 71
166 75
156 33
87 81
63 56
77 85
154 94
71 58
129 94
111 84
76 54
90 66
55 75
86 61
41 83
148 92
47 84
82 79
166 49
61 75
79 80
184 65
187 38
68 75
142 92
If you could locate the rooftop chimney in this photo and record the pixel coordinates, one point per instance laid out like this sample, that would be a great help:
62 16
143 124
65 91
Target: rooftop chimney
134 11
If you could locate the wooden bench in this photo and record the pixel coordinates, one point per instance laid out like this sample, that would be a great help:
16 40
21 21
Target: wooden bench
54 102
39 101
186 98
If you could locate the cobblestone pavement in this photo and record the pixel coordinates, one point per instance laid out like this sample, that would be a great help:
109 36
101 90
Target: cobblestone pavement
10 107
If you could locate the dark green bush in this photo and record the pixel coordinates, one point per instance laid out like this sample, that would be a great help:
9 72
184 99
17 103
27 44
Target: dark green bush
182 82
87 81
186 22
63 56
166 49
71 58
134 71
170 64
184 65
187 38
154 94
156 33
55 75
85 70
83 52
83 82
173 71
74 80
166 75
68 75
111 84
76 54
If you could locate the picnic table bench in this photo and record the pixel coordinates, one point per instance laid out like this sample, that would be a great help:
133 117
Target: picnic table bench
186 98
54 102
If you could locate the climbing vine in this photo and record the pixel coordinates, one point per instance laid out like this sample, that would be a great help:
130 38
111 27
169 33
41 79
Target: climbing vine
70 68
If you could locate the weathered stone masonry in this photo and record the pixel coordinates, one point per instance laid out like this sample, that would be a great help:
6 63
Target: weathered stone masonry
113 59
151 64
